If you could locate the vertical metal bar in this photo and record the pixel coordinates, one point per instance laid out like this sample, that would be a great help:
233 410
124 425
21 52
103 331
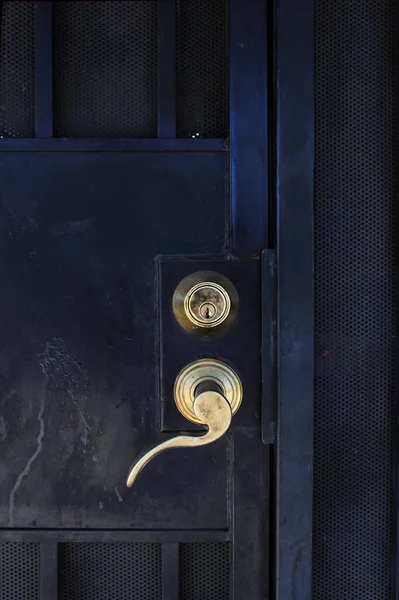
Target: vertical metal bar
48 571
166 68
294 185
44 69
268 347
394 587
251 489
170 571
248 126
1 22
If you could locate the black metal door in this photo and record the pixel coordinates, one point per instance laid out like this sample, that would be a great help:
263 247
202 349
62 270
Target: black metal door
133 153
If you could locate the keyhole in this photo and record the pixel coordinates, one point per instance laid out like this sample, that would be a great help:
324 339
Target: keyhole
207 310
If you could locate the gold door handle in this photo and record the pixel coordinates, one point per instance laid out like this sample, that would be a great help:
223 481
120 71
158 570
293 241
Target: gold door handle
213 410
207 392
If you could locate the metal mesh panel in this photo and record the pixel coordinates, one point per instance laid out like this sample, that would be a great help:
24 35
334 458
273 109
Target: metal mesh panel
116 570
19 571
17 70
105 71
202 67
205 571
354 227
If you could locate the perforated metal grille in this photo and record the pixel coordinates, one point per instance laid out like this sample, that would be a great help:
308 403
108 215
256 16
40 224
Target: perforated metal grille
106 571
202 67
17 70
105 71
19 571
205 571
354 226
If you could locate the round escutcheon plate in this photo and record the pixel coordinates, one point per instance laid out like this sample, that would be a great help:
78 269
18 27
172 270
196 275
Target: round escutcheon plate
206 369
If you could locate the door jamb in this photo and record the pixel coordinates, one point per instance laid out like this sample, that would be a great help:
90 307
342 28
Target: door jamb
294 85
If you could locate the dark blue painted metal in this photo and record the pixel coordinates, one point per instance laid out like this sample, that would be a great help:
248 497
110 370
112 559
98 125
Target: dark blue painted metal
49 571
239 346
166 68
79 233
395 494
113 145
170 572
152 536
44 69
395 409
250 516
248 459
295 155
248 126
268 266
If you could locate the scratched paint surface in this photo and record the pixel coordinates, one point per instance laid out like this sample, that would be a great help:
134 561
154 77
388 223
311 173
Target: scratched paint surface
78 396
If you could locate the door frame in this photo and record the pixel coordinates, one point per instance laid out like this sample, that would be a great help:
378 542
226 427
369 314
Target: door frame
294 152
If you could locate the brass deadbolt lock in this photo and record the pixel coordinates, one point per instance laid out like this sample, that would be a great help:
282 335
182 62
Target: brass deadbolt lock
205 303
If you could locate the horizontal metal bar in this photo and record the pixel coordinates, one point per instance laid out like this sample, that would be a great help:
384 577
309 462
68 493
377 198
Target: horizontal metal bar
110 145
119 535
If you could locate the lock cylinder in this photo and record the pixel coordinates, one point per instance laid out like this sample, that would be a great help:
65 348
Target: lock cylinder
205 303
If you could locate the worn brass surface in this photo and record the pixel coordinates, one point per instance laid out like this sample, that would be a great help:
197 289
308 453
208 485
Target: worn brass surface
206 369
210 408
205 303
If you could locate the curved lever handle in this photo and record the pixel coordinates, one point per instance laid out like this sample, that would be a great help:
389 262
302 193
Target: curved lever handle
212 409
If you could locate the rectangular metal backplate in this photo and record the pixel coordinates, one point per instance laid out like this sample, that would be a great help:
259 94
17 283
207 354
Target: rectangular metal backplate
240 346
